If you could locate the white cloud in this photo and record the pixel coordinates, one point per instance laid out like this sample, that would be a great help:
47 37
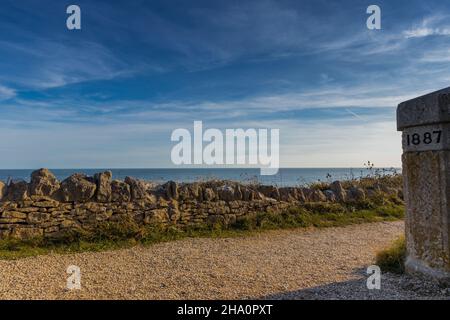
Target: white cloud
328 143
337 97
148 112
49 64
425 32
436 56
430 26
6 93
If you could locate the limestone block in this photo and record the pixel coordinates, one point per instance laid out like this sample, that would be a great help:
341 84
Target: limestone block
104 190
43 183
77 188
427 197
121 191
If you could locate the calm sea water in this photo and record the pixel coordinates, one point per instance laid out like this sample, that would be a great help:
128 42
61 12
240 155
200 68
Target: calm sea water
285 176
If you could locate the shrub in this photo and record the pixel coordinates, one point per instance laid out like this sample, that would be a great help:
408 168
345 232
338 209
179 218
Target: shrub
392 259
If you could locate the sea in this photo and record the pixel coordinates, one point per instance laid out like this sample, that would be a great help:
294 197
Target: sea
285 177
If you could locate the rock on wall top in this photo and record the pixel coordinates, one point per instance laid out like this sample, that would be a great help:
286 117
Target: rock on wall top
76 188
79 188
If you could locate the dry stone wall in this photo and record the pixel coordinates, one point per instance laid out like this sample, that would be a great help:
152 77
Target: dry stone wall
47 208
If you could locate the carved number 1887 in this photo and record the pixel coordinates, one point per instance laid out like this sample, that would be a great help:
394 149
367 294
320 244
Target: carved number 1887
426 138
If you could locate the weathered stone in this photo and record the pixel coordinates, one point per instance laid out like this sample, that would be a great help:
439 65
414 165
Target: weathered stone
104 191
157 216
78 212
300 195
339 191
11 220
331 197
57 213
28 209
356 194
12 206
174 212
184 193
171 188
208 194
39 199
46 204
2 190
26 233
318 196
427 190
288 194
17 190
216 220
77 188
237 192
190 192
49 227
245 193
120 191
233 204
138 188
69 224
51 230
425 110
425 123
43 183
14 214
25 203
307 193
38 217
226 193
93 206
270 192
195 191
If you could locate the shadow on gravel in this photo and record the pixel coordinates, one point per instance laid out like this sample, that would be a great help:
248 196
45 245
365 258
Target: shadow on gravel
393 287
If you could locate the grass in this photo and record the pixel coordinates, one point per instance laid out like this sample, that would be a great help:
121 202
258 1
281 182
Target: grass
124 234
392 259
369 181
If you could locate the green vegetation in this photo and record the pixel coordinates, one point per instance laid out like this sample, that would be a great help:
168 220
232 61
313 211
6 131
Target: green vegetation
392 259
123 234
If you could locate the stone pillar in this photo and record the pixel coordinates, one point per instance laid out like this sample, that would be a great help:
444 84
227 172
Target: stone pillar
425 126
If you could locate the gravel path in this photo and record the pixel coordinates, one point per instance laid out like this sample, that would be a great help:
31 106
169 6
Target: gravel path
285 264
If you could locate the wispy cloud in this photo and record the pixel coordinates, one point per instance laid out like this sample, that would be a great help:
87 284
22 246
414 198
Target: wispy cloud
433 25
425 32
6 93
436 56
49 64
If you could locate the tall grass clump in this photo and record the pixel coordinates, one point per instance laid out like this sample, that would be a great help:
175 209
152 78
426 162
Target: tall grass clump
392 259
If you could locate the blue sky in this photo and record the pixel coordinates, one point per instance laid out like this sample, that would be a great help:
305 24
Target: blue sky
110 94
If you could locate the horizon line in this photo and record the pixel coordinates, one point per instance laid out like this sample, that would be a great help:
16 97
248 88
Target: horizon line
197 168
